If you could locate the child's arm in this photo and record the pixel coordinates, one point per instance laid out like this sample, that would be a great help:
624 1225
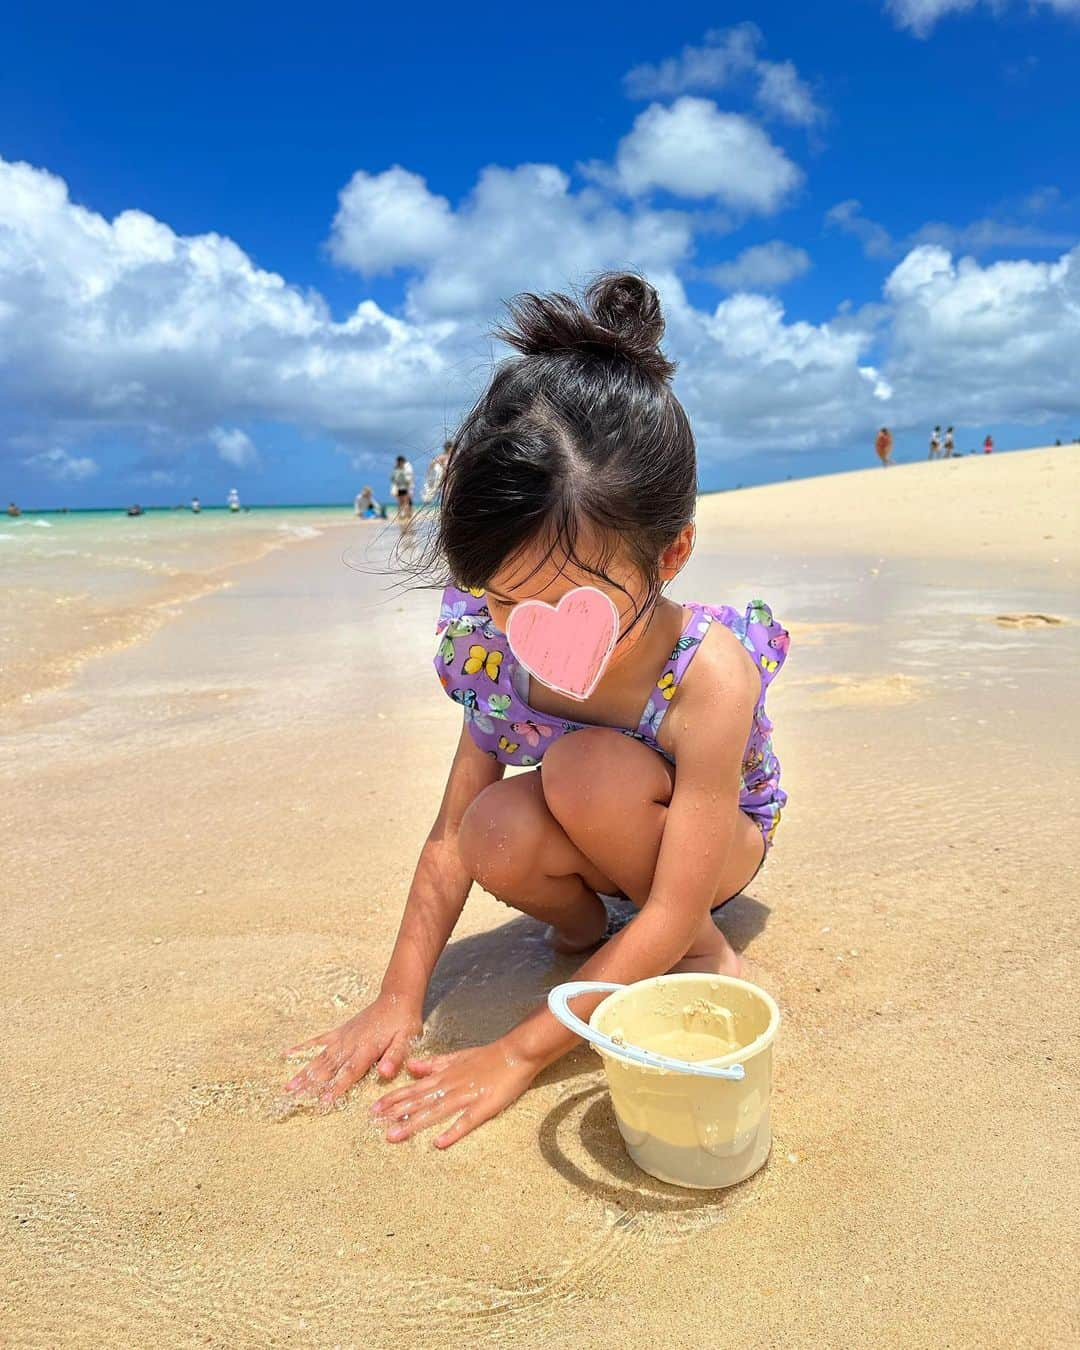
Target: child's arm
382 1031
440 884
699 829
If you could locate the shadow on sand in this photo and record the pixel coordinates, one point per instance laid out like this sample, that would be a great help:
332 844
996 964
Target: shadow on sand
487 982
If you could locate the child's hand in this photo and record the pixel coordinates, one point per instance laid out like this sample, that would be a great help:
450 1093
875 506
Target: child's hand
478 1082
382 1031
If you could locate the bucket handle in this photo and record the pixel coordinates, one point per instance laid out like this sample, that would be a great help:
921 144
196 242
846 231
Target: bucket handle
557 1001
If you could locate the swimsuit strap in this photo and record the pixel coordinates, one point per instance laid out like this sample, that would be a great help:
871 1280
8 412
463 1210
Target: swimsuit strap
698 620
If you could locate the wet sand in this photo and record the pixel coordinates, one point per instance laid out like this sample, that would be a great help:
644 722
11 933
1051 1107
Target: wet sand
210 836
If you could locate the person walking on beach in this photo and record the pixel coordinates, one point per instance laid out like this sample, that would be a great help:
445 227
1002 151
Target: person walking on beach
883 445
950 443
401 484
550 493
935 443
988 444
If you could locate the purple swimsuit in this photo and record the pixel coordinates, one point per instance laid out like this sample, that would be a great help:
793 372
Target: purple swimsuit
477 669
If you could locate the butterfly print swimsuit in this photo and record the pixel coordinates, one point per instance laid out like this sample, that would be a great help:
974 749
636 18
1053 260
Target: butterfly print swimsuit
478 671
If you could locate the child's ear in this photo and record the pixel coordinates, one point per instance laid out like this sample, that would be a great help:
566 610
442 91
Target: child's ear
675 556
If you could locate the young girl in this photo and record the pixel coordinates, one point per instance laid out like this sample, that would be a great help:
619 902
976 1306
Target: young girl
575 468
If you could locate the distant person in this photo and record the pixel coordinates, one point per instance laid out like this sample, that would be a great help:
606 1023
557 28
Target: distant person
367 508
950 443
401 484
233 501
13 510
435 475
135 510
988 444
196 505
935 443
883 445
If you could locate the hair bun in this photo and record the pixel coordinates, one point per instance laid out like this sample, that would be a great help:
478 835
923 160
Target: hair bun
620 319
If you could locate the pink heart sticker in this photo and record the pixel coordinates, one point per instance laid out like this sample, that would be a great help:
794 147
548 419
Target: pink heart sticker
566 646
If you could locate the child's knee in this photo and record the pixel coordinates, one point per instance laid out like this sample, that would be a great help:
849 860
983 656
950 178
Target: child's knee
499 839
575 771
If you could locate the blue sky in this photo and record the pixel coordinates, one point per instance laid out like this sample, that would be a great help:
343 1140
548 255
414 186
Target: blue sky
856 213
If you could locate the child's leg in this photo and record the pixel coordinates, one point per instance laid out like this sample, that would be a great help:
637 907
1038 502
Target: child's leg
514 847
610 793
593 821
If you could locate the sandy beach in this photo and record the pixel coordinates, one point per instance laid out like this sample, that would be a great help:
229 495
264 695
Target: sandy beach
211 827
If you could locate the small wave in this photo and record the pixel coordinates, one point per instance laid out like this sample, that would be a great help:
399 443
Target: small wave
4 535
300 531
42 524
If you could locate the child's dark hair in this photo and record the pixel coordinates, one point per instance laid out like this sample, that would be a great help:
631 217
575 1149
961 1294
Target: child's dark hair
581 430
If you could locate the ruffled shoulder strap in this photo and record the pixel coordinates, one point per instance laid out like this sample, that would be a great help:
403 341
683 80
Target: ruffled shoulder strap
459 605
766 640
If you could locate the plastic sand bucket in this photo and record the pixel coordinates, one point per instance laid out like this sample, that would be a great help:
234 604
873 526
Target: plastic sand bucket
689 1066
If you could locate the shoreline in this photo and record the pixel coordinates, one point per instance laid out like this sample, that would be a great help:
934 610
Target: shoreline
133 619
1044 532
866 464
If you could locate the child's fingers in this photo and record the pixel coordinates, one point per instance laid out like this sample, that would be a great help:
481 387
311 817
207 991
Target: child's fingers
316 1074
348 1073
386 1104
390 1063
306 1045
423 1116
420 1068
461 1127
414 1101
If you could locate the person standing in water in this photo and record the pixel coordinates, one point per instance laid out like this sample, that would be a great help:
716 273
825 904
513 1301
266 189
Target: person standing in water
196 505
401 484
575 469
883 445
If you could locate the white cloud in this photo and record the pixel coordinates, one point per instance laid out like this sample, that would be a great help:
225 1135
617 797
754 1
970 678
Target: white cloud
161 342
751 379
785 95
526 228
762 267
389 220
847 216
988 343
883 390
980 236
125 325
61 467
694 150
235 447
727 55
920 16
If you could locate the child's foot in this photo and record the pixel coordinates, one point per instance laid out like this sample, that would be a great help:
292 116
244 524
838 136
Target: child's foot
581 936
712 958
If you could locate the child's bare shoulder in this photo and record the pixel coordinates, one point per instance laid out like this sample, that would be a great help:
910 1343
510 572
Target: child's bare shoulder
723 676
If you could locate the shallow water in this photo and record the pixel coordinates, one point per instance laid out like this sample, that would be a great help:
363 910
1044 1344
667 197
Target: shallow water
81 582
